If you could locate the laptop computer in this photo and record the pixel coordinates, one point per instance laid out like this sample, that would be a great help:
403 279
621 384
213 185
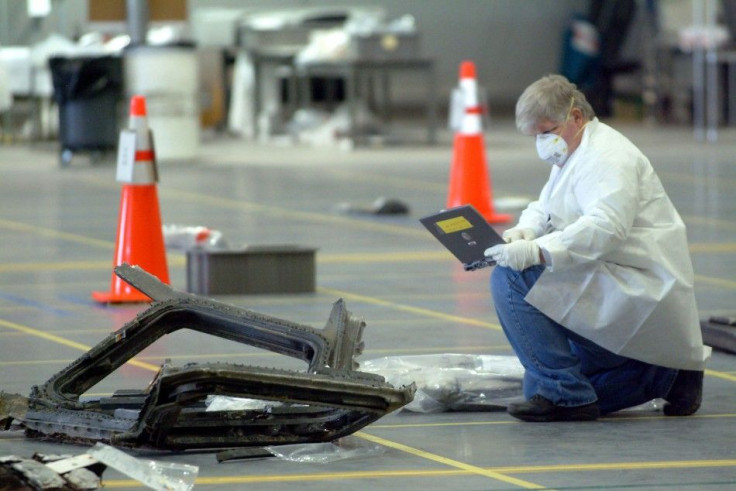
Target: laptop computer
465 233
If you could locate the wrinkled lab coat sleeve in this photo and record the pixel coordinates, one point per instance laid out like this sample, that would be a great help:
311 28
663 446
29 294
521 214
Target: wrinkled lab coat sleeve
618 267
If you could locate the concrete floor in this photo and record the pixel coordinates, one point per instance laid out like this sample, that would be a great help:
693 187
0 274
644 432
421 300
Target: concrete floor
58 230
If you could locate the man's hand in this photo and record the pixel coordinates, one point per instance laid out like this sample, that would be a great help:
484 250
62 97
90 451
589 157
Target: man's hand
514 234
518 255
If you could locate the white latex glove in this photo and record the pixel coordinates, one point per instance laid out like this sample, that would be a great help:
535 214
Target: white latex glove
514 234
517 255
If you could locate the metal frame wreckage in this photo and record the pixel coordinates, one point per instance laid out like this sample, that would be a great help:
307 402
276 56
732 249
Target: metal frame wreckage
329 400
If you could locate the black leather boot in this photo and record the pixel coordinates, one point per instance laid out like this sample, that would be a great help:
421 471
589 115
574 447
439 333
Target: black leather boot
685 395
540 410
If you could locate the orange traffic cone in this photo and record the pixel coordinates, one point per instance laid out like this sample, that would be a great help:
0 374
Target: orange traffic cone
469 180
140 239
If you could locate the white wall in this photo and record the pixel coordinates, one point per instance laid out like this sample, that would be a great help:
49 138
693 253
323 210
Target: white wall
67 17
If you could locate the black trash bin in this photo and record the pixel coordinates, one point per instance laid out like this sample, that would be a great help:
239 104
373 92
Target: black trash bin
88 91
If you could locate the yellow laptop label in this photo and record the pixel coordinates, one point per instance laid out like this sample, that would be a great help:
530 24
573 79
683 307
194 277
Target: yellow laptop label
454 225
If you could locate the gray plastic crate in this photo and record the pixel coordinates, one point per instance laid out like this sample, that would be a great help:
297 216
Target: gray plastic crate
254 269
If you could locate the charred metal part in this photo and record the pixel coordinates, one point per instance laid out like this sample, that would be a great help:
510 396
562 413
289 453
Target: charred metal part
327 401
243 454
52 472
12 406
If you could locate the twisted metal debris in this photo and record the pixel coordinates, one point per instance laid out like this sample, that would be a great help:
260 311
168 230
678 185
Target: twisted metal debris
329 400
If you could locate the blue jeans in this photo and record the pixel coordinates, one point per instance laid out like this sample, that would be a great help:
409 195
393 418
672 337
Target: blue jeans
562 366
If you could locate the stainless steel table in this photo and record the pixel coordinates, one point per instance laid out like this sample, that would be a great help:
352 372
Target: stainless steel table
357 72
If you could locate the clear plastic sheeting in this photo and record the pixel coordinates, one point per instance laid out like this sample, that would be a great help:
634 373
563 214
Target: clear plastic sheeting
317 128
459 382
653 405
161 476
325 45
338 43
325 453
453 382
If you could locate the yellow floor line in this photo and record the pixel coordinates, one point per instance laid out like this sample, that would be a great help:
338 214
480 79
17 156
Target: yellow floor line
409 308
619 466
385 257
269 354
722 375
34 362
56 266
327 476
694 247
49 232
68 343
716 281
694 221
176 259
702 248
495 473
525 469
449 462
191 197
172 260
633 416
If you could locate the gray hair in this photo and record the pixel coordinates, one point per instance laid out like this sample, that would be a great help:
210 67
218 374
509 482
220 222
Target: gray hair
551 98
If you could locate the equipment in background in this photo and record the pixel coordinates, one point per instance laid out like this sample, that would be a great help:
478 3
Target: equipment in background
719 332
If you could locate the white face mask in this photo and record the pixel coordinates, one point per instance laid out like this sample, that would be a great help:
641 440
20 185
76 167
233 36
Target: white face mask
552 148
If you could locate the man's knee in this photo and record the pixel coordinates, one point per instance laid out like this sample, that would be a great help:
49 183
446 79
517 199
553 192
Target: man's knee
503 277
501 283
499 277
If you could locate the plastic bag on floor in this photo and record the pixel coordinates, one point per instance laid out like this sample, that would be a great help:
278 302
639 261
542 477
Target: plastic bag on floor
314 129
453 382
181 237
653 405
161 476
324 453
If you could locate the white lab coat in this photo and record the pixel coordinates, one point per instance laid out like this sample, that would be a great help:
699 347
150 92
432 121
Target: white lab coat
618 267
